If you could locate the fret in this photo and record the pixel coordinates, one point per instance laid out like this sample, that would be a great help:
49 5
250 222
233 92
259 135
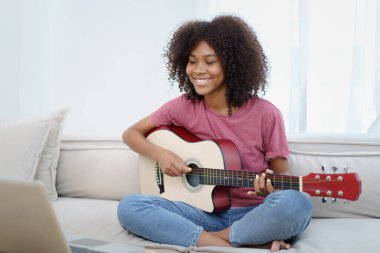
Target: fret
291 183
251 180
282 183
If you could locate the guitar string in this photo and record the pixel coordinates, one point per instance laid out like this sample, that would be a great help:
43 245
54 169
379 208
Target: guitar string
244 173
295 181
288 185
291 184
284 185
284 178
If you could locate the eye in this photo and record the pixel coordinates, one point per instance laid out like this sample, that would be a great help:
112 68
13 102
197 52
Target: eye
210 62
191 61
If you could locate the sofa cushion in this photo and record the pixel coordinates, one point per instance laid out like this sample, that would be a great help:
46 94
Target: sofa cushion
323 235
97 169
96 218
21 145
364 163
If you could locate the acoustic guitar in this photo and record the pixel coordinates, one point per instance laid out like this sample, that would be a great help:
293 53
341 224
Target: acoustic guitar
216 166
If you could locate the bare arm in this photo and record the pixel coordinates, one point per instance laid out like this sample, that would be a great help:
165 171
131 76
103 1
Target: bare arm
170 163
134 137
279 165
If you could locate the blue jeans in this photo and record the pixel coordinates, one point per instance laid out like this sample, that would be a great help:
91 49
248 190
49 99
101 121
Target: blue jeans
283 214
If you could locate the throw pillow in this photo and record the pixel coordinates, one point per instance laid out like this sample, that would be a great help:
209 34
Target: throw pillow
47 167
21 145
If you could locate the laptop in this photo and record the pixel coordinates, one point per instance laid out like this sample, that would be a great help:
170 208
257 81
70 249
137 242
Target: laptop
28 224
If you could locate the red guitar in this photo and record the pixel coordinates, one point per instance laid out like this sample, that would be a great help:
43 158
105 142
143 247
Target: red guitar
216 164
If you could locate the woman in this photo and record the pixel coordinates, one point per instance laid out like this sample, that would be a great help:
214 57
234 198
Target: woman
221 68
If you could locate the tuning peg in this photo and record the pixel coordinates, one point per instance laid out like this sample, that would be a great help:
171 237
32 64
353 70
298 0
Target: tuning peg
346 202
323 168
324 200
345 168
334 200
334 168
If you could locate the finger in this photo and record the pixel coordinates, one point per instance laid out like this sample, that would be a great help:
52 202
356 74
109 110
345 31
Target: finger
252 193
168 172
182 167
183 170
262 181
173 172
256 185
269 186
268 171
179 168
187 170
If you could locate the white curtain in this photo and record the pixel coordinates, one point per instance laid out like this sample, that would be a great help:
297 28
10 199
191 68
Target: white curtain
325 59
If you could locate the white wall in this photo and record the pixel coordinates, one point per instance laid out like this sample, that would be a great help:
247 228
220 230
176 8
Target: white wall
101 58
106 60
24 60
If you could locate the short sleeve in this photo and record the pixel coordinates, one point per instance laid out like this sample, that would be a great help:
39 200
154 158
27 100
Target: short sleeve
161 115
275 143
172 112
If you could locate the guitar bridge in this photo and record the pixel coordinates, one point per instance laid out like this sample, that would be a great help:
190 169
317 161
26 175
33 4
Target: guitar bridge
159 178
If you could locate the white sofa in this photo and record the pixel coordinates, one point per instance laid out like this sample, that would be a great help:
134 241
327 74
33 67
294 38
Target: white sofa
93 174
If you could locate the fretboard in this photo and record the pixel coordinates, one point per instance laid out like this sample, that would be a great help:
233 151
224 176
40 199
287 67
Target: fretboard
241 178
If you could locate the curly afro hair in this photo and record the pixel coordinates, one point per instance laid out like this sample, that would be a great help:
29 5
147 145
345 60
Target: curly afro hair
235 43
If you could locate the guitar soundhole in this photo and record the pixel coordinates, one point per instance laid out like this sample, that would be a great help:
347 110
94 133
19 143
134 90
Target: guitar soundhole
193 178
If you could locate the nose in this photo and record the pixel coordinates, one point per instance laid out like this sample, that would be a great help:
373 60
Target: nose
199 69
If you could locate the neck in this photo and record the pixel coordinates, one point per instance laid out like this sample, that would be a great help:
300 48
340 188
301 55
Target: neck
219 108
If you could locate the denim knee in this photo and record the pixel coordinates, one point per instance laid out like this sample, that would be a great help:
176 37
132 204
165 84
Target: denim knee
293 200
283 215
298 207
126 210
301 201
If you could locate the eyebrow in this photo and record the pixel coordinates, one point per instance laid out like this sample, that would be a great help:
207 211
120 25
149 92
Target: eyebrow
207 55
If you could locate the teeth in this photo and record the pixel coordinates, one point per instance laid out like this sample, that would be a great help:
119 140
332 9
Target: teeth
202 81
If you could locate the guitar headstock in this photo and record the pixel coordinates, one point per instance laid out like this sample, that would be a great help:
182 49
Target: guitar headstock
345 186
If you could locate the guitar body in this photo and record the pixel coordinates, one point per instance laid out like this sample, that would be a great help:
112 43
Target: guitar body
220 154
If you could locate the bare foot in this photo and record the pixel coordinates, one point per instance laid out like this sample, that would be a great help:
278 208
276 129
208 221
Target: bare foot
273 246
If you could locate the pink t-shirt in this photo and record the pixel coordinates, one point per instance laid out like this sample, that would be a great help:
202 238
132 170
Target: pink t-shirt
257 129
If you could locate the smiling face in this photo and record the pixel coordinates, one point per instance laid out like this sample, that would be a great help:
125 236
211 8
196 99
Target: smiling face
205 71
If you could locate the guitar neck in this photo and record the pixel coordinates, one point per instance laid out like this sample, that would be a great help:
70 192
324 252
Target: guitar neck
219 177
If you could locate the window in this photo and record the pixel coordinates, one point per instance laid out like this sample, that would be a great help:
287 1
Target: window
324 57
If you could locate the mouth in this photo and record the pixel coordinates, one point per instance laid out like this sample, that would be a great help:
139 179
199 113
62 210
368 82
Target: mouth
202 81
